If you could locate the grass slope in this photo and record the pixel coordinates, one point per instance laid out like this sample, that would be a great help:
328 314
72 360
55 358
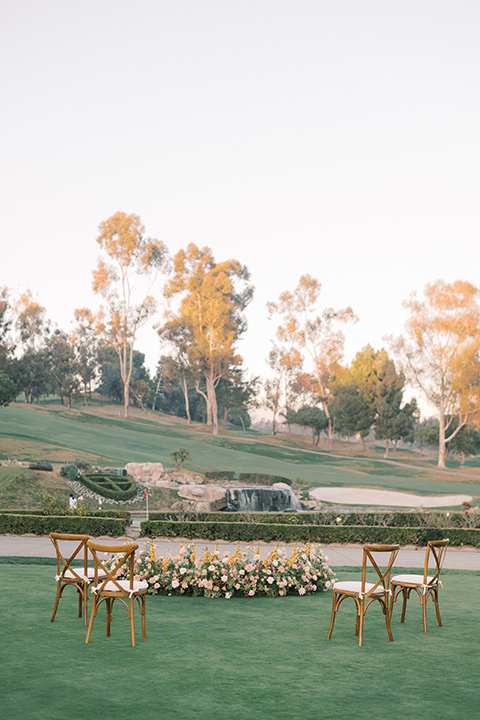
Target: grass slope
57 435
239 658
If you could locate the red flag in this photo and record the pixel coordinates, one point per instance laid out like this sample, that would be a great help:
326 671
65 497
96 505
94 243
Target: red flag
146 492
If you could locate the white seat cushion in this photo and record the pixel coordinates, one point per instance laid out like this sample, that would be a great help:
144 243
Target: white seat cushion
68 575
410 580
138 586
356 587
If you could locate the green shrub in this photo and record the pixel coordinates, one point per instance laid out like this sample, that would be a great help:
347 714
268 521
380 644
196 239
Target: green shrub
262 479
42 465
326 534
45 524
70 471
220 475
82 465
110 486
121 514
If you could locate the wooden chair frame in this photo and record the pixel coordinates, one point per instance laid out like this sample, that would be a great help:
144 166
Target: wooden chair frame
424 585
68 575
364 593
111 588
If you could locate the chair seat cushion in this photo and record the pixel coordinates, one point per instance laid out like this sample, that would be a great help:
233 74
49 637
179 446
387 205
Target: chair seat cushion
138 586
410 580
355 588
68 574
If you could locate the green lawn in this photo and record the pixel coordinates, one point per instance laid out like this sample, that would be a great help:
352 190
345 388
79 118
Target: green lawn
59 436
245 659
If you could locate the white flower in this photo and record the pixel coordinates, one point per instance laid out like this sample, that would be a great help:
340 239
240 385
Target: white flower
270 580
175 583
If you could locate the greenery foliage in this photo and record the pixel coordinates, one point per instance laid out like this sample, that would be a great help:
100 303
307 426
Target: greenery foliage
110 486
44 524
326 534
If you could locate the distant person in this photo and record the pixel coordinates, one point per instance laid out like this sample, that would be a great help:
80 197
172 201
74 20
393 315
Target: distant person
72 502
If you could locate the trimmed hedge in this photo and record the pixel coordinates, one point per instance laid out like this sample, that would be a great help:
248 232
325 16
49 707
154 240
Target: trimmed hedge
114 487
262 479
382 519
250 532
220 475
121 514
246 478
45 524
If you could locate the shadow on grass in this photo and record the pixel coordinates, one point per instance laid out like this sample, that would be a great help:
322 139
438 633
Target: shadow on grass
240 658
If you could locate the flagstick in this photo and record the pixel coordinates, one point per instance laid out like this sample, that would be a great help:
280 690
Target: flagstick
146 496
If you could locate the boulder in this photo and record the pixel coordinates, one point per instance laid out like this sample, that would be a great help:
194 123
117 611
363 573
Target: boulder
148 473
209 498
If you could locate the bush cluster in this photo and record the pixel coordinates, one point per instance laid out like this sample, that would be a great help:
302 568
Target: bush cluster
70 471
437 519
20 524
114 487
41 465
121 514
245 478
325 534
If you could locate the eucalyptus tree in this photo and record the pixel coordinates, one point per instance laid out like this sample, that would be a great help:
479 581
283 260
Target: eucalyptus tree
125 280
440 354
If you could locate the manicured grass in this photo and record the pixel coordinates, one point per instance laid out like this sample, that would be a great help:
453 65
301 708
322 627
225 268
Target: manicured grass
242 659
48 433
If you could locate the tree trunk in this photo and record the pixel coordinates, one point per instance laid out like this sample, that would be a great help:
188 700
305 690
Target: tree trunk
387 444
185 395
211 394
442 448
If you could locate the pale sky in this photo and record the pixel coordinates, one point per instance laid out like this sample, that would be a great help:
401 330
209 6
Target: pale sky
339 138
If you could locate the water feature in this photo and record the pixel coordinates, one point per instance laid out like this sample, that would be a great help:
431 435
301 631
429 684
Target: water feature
261 499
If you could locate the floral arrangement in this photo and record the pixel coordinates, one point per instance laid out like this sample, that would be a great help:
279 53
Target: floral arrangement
243 574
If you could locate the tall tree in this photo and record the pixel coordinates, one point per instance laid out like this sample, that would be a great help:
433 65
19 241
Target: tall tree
441 354
285 364
317 335
63 365
86 349
382 387
212 297
132 258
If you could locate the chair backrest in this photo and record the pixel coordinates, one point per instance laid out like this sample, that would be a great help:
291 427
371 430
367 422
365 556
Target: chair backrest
382 577
436 550
64 564
125 556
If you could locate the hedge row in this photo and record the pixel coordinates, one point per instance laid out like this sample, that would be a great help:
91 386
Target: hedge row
251 532
383 519
110 486
122 514
246 478
45 524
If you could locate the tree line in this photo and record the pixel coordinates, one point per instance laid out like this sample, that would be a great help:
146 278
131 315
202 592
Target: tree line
200 374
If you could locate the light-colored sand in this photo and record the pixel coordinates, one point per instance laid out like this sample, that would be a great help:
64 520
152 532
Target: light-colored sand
370 496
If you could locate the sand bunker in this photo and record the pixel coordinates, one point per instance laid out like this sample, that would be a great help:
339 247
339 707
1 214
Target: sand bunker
370 496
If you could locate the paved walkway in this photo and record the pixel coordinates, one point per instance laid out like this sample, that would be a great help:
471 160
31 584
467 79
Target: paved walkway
338 555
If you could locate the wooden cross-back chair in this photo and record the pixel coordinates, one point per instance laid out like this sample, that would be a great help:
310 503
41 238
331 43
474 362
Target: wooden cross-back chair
67 573
425 585
365 593
111 588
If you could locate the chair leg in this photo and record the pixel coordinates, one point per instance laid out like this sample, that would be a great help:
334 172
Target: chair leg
93 612
405 595
387 620
142 605
132 621
437 608
59 594
361 615
424 611
85 604
109 602
332 620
